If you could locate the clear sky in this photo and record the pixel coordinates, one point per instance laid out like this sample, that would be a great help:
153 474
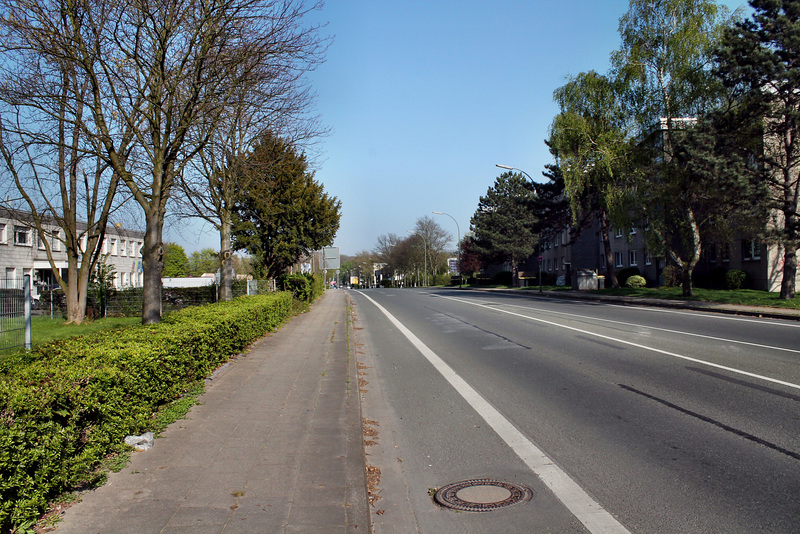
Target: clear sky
424 97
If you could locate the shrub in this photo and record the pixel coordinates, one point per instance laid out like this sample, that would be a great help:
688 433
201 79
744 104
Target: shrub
304 287
636 281
503 278
624 274
671 276
67 405
734 279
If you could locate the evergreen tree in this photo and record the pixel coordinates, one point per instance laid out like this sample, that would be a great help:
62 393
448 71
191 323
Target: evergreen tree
283 212
760 59
504 225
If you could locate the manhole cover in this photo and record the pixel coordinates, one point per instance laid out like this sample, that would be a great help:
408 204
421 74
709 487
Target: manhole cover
481 495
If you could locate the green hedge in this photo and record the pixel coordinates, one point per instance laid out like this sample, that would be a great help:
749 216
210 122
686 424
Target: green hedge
67 405
305 287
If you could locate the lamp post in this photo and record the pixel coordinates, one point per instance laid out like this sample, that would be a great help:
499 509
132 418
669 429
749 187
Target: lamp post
458 243
540 258
424 255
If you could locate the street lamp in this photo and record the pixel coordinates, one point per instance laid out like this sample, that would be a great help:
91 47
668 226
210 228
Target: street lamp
540 259
458 244
424 255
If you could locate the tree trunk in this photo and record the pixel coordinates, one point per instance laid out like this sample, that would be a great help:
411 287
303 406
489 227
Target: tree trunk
226 260
153 262
611 272
789 271
75 312
694 255
686 280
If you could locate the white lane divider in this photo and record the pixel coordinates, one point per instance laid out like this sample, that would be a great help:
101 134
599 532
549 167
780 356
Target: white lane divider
632 344
588 511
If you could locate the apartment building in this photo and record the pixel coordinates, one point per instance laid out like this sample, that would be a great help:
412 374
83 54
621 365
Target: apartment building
22 252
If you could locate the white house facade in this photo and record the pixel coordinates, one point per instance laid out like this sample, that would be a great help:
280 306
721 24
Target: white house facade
22 252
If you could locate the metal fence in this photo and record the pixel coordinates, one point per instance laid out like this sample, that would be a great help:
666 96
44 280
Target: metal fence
109 302
15 313
16 304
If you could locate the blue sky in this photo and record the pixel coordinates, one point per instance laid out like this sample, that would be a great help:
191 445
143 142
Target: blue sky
425 97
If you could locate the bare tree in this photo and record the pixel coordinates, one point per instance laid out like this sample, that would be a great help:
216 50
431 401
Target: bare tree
159 74
276 102
435 242
68 193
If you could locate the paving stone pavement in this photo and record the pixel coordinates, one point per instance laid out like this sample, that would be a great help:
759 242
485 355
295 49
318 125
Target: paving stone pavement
275 445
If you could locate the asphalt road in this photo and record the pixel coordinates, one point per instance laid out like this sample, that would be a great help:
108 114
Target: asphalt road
618 418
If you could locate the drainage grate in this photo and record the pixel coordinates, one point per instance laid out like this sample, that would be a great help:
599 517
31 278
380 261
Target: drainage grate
481 495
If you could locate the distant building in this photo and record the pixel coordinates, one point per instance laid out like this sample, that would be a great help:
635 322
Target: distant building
22 252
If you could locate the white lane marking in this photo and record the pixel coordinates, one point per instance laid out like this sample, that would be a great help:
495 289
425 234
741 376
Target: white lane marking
679 332
788 324
588 511
631 344
720 316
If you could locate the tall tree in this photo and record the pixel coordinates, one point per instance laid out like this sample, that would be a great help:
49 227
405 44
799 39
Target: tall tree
283 212
435 239
760 57
204 261
50 158
665 61
176 262
592 143
156 72
504 225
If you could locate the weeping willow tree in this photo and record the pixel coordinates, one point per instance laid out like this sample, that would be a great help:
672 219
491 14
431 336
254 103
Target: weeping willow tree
592 145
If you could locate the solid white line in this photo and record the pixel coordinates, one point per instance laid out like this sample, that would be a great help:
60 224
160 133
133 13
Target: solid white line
679 332
637 345
588 511
723 317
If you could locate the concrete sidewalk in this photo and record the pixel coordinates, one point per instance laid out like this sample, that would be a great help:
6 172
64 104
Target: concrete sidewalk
275 446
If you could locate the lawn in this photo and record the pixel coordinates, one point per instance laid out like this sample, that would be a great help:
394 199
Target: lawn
746 297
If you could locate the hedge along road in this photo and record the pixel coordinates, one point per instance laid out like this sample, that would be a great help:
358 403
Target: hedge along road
666 421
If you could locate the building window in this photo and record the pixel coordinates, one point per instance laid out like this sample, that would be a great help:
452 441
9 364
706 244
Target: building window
632 258
22 236
113 246
617 232
751 250
3 234
123 248
618 259
57 241
647 259
633 230
564 237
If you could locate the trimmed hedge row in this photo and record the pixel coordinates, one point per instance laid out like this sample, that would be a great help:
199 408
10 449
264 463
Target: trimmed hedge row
67 405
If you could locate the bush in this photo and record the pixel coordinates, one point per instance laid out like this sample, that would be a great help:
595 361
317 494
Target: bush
549 279
671 276
503 278
304 287
624 274
734 279
636 281
67 405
